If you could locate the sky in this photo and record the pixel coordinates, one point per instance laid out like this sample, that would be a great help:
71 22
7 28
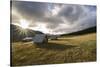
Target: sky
54 18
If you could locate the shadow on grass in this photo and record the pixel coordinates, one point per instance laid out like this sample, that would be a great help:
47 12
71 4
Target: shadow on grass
64 39
55 46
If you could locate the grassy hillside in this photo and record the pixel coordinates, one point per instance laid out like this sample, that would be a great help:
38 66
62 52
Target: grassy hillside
63 50
18 33
82 32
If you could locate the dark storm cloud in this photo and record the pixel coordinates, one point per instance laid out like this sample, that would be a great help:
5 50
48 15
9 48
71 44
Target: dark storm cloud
72 13
53 19
88 22
35 11
51 22
52 25
79 17
91 8
72 17
30 9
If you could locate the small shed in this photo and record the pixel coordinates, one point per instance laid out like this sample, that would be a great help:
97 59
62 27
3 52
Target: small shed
40 38
27 39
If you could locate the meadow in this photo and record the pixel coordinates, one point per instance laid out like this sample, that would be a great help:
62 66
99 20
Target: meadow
65 49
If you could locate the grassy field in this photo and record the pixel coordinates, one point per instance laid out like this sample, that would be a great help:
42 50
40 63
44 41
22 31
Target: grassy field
63 50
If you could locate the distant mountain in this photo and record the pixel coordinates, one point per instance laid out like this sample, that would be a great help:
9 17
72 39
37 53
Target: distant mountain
81 32
17 33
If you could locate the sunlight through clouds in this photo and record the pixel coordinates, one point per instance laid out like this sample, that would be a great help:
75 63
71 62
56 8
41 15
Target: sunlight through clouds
55 17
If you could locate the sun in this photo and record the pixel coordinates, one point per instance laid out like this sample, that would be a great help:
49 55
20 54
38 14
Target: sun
24 23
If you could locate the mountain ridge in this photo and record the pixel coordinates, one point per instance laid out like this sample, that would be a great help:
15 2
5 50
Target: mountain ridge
81 32
17 33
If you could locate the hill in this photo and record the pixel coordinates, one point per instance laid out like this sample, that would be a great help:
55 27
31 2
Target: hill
17 33
81 32
63 50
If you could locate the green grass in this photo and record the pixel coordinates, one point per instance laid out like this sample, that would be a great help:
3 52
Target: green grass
63 50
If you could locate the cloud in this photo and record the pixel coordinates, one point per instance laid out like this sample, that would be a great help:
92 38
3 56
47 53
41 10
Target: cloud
73 13
60 18
30 9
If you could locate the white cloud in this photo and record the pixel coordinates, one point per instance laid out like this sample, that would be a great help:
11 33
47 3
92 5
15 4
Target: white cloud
59 18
